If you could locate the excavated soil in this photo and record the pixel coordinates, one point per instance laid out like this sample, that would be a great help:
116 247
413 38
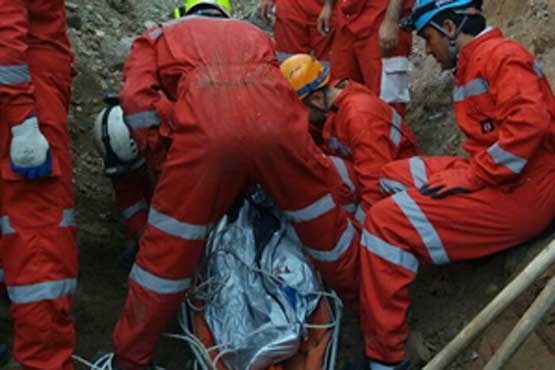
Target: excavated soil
444 299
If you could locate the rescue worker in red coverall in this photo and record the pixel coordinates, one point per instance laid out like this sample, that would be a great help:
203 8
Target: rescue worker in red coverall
295 28
37 243
133 179
355 124
453 208
229 129
369 47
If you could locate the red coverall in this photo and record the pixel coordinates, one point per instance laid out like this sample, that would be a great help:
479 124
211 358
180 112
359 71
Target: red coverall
356 53
363 129
37 246
505 106
230 129
133 192
295 29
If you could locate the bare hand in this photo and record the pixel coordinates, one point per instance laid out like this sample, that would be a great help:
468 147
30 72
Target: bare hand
324 18
265 9
389 37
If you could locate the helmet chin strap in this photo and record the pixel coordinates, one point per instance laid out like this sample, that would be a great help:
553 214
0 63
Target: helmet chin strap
453 48
326 108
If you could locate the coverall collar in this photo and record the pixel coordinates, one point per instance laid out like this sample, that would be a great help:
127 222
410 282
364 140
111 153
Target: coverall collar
348 87
466 52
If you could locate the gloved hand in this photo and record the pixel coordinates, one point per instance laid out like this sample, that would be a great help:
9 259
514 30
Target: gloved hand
451 182
29 150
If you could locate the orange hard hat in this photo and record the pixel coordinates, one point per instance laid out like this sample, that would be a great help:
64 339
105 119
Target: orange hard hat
305 73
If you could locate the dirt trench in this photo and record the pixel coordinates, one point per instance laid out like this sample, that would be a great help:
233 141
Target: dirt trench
444 299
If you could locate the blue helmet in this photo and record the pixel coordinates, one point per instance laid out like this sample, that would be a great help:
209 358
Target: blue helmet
425 10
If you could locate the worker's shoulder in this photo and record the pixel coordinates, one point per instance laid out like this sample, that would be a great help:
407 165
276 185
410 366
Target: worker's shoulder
359 102
502 50
210 21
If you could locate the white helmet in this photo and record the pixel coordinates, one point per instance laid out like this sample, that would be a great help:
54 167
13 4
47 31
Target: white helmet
114 142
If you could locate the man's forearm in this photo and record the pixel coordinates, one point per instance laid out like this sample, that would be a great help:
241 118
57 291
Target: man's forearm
328 3
394 10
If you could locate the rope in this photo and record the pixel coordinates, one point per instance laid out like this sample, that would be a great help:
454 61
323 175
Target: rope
207 288
106 359
107 364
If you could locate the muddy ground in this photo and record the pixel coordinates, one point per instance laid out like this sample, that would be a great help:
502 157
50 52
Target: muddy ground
444 299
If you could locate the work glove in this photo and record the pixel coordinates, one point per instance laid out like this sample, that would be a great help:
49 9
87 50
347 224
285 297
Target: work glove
449 182
29 150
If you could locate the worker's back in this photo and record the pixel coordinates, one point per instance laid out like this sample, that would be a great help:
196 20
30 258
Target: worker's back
226 74
221 48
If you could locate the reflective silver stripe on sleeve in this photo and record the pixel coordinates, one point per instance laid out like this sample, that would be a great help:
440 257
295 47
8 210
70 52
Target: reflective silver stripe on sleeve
315 210
134 209
335 144
68 219
176 228
157 284
340 248
395 132
342 169
538 69
388 252
360 215
349 207
17 74
143 119
391 186
418 172
6 227
1 275
423 227
154 34
475 87
513 162
42 291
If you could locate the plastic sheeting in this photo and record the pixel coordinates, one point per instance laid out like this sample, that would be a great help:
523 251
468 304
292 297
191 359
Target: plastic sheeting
262 295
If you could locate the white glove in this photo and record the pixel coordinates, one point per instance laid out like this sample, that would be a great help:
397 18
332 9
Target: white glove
29 150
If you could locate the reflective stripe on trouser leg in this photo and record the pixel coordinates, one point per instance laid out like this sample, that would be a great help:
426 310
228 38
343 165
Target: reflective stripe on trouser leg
168 253
391 186
134 209
42 298
418 172
423 227
174 237
338 264
387 267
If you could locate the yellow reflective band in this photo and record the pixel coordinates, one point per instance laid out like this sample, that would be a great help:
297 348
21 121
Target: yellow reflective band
176 13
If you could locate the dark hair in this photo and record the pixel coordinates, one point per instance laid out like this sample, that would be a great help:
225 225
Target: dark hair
475 23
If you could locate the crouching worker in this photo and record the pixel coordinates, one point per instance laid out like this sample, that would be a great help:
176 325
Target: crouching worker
133 179
454 208
235 122
353 123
